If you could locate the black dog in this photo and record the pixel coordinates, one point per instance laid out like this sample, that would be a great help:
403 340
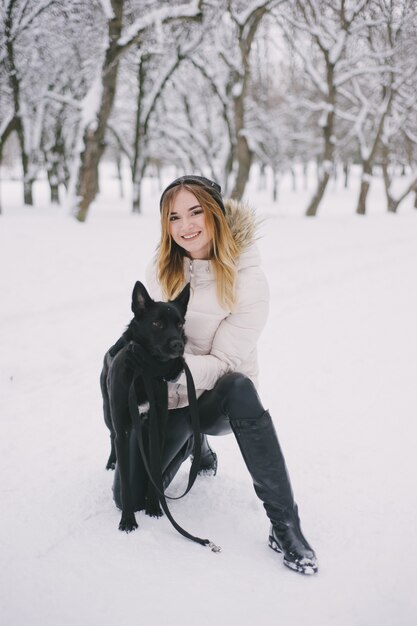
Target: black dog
157 332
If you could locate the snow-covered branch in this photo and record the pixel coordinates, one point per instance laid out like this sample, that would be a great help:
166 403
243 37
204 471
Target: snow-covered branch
187 10
243 17
107 9
20 26
76 104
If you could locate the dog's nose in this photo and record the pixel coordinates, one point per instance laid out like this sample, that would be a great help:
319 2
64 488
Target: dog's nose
176 345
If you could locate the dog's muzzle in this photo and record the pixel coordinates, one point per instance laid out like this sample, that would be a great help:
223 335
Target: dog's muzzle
176 347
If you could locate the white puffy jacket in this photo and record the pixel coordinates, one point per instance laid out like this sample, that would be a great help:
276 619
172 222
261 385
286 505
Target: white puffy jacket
220 341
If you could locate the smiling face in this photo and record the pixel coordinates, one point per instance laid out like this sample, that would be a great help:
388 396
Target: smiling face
187 225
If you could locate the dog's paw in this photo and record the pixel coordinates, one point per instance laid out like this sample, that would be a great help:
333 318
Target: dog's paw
128 523
153 510
111 462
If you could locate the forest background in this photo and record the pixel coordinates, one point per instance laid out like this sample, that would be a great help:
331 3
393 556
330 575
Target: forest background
209 86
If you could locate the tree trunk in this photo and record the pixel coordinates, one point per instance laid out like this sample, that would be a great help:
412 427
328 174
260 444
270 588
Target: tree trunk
365 184
293 179
391 204
368 162
17 123
119 174
243 153
305 176
328 152
87 183
136 207
318 170
94 134
247 32
11 126
140 137
318 196
228 168
28 192
326 168
275 185
262 177
54 194
244 159
394 203
53 180
346 171
137 178
27 179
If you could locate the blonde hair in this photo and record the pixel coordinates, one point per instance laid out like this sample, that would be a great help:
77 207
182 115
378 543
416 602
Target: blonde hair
224 250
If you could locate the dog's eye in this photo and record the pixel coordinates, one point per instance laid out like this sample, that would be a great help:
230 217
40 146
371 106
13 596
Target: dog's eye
180 325
157 323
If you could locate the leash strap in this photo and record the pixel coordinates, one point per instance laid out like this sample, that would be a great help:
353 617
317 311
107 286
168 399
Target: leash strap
155 473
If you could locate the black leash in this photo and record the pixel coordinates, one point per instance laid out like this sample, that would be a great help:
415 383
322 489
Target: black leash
155 476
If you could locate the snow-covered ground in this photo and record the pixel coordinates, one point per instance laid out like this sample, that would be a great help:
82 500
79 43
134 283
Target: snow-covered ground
338 373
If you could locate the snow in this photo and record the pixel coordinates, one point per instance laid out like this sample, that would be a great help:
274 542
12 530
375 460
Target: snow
237 90
338 364
337 48
107 9
159 15
26 21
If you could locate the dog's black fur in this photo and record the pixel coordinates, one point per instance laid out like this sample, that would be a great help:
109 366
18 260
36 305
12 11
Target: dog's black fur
158 328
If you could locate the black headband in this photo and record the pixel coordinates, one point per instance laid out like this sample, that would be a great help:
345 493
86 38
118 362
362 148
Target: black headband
209 185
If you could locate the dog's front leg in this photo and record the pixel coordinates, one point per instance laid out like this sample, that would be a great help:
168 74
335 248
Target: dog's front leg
128 520
118 385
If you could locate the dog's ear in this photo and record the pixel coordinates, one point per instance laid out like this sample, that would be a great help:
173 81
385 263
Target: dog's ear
140 298
183 298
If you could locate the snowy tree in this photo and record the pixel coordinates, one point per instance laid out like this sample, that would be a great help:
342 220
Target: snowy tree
379 90
279 135
246 21
146 72
48 52
68 63
190 129
319 33
98 103
398 146
17 17
201 125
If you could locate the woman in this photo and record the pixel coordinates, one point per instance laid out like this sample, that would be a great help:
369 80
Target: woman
211 244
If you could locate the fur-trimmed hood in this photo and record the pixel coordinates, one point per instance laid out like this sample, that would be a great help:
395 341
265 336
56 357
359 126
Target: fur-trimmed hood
243 223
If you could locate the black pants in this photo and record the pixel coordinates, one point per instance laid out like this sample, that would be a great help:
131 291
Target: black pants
234 397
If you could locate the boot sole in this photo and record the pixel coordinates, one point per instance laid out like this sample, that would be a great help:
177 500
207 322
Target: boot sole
210 470
207 472
308 569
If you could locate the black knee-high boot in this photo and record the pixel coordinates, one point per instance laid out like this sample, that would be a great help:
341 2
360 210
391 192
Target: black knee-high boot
208 460
262 454
208 465
173 467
